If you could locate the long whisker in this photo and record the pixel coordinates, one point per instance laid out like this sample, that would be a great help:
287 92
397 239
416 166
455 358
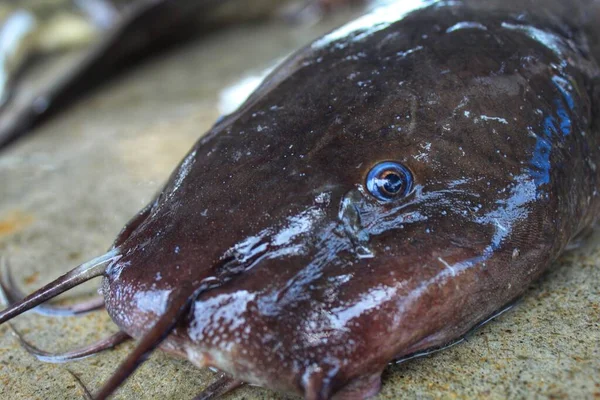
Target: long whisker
86 393
220 387
177 306
13 295
82 273
78 354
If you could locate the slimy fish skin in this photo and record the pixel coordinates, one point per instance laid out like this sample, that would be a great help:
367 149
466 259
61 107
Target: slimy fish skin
387 189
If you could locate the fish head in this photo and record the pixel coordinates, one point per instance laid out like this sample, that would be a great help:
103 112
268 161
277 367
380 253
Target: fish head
367 204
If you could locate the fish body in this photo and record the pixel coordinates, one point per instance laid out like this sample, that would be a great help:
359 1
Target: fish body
384 191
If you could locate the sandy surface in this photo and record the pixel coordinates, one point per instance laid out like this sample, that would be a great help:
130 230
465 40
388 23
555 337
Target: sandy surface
66 191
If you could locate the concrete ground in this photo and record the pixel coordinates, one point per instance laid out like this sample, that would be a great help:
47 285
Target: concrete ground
66 191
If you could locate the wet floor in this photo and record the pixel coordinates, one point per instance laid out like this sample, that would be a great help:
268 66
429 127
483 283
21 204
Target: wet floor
66 192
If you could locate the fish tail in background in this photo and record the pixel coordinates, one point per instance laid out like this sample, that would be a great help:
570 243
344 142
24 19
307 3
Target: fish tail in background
15 38
82 273
145 28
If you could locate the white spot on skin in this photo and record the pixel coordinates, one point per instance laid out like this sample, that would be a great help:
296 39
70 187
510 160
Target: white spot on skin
466 25
498 119
515 254
226 310
323 198
423 155
459 182
363 252
409 52
462 104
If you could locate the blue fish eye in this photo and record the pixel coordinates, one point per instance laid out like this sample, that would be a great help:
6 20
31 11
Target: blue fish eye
389 180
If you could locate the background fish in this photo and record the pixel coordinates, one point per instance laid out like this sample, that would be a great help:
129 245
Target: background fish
110 34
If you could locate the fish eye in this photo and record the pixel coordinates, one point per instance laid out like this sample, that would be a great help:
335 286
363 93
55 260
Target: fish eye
389 180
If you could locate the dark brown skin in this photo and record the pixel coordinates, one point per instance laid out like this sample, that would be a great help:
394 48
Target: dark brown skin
267 257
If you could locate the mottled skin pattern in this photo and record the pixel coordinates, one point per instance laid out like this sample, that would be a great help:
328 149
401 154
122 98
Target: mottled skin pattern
306 283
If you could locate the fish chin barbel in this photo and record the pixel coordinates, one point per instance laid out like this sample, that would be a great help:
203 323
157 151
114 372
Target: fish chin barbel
432 162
